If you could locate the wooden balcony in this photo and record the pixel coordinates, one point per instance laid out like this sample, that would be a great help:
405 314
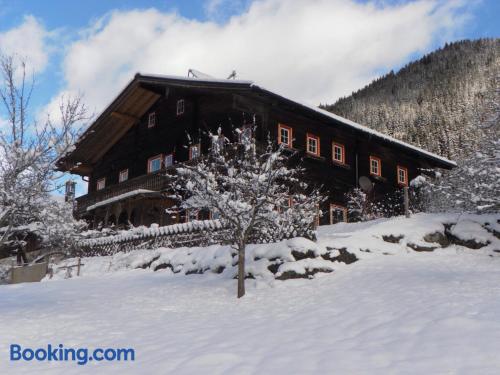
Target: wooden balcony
157 181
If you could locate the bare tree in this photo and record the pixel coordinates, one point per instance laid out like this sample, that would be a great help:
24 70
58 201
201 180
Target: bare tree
255 195
29 150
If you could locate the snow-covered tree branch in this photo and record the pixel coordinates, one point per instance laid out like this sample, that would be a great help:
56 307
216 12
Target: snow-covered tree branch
255 194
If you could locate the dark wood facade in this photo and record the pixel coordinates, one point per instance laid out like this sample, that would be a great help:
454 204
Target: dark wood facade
123 139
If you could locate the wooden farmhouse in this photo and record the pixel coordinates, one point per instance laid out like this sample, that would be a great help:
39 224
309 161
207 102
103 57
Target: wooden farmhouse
158 121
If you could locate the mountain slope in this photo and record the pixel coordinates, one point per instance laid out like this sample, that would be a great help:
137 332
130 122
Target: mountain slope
435 102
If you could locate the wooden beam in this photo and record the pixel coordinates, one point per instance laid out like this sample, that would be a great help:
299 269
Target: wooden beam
124 116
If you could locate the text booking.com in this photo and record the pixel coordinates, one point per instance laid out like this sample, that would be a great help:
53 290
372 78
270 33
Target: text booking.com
59 353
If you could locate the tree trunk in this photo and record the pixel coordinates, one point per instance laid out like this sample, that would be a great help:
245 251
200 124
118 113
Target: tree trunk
241 270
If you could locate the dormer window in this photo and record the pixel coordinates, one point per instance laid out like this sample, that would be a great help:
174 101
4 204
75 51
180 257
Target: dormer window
154 163
313 145
152 120
180 107
375 166
123 176
338 153
285 134
402 176
101 183
194 151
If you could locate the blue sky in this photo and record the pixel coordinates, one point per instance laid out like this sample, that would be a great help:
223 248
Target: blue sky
311 50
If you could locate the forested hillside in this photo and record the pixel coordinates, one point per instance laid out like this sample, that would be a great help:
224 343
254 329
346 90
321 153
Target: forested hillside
436 102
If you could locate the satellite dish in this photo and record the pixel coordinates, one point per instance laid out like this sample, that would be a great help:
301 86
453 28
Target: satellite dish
365 184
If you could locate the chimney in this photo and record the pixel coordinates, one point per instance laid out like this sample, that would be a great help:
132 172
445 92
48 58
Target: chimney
69 195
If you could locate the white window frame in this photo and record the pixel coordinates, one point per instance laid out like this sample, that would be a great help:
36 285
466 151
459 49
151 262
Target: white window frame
152 120
289 131
379 166
151 160
340 146
101 183
123 175
405 172
180 107
316 139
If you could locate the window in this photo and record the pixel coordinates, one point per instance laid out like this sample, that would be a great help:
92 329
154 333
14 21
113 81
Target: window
375 166
194 151
285 134
338 214
123 176
152 120
313 145
191 215
338 153
169 160
101 183
154 163
180 107
402 176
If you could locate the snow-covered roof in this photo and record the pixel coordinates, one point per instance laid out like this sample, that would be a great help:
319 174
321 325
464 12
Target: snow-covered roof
318 110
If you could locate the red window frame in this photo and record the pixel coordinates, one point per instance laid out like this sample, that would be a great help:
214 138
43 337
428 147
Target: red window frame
123 171
159 156
103 179
405 170
379 164
334 206
317 139
342 147
290 135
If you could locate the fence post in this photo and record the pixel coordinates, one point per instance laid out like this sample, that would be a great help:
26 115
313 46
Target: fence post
407 202
78 264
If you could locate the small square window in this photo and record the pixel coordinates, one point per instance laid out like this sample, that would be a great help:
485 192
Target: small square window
123 176
169 160
285 134
402 176
154 163
375 166
180 107
313 145
152 120
101 183
338 153
194 151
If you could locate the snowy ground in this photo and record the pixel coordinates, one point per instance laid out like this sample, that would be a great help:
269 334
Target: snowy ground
407 312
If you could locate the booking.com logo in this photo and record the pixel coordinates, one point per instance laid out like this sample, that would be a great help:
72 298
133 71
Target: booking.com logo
59 353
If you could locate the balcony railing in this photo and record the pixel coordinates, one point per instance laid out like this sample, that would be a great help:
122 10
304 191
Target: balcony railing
153 181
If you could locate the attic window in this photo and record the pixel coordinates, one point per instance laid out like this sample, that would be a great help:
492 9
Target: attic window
375 166
152 120
313 145
402 176
338 153
154 163
194 151
123 176
101 183
285 135
338 214
180 107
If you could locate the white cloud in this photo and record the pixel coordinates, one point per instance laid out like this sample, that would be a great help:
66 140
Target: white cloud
312 50
28 42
